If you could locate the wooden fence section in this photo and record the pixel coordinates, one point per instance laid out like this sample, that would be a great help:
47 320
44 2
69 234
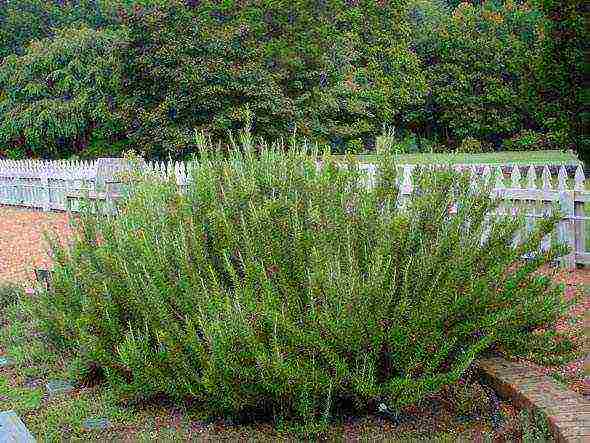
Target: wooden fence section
43 185
531 191
48 185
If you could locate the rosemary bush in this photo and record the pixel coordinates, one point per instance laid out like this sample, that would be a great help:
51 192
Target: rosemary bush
273 286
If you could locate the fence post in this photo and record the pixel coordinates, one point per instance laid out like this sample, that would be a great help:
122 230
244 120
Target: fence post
406 185
3 191
566 206
47 191
580 224
580 227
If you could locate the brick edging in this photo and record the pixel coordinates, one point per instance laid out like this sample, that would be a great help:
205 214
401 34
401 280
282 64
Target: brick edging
567 411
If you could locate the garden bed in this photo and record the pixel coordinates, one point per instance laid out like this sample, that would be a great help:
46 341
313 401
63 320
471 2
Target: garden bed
64 415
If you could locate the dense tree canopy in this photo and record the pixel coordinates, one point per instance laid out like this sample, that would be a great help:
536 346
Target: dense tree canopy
62 92
288 67
26 20
149 73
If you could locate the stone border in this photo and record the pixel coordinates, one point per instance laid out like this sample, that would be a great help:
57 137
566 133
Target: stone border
567 411
12 429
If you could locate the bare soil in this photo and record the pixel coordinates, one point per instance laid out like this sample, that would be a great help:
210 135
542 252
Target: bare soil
22 244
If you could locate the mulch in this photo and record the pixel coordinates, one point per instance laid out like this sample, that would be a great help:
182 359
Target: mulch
575 374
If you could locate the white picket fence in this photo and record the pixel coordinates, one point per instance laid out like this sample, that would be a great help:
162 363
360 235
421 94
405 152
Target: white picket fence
50 185
533 196
47 185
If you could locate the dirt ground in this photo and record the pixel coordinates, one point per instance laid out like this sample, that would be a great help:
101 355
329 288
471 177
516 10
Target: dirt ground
22 244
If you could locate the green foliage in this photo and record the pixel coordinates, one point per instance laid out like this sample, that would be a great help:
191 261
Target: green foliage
27 20
527 140
272 286
471 146
329 73
61 92
469 398
564 69
533 426
9 294
494 75
185 73
478 59
509 74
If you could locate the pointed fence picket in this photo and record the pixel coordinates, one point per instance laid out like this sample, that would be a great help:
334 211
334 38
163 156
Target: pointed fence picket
530 191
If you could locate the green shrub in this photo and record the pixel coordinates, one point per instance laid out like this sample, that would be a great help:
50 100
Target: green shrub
469 398
272 286
530 140
532 426
471 145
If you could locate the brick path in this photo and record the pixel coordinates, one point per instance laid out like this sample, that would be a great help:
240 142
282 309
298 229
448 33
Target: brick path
568 412
22 245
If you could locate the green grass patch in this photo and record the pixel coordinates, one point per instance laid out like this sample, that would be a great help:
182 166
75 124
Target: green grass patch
493 158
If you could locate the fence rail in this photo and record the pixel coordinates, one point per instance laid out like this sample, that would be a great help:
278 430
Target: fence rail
524 191
532 191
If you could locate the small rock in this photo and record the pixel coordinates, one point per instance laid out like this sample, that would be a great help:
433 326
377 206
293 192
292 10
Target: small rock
94 424
211 420
430 407
12 429
352 419
6 362
58 387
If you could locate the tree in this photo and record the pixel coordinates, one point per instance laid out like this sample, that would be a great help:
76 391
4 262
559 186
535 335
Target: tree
188 70
508 73
564 71
62 93
26 20
480 62
333 71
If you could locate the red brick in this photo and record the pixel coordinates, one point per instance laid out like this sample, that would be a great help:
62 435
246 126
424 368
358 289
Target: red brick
567 411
